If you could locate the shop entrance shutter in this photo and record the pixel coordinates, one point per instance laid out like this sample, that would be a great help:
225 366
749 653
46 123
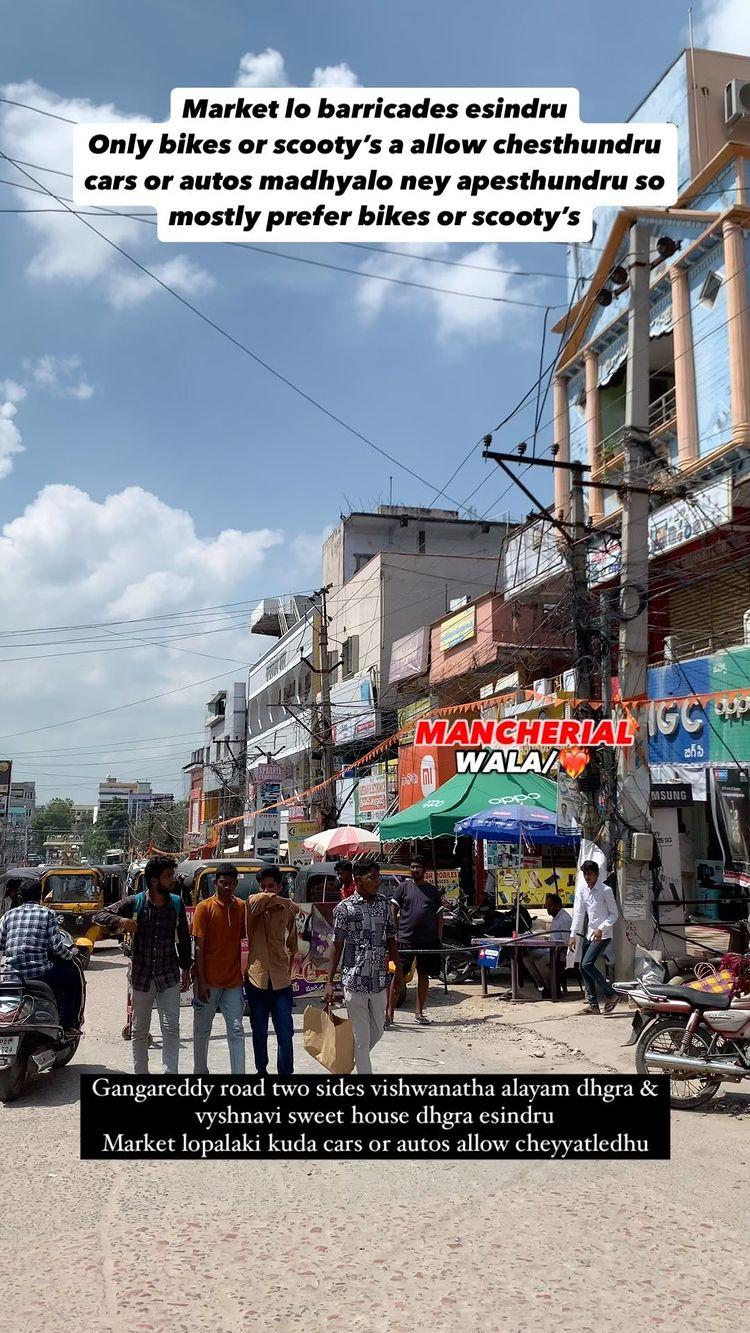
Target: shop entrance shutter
708 615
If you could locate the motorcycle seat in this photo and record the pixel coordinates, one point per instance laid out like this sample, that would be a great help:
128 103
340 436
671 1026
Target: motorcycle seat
36 986
699 999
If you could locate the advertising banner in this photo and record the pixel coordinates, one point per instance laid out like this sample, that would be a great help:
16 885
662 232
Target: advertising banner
297 831
409 656
353 710
670 895
535 883
669 527
730 805
458 628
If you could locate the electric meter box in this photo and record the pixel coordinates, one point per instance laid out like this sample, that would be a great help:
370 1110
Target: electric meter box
642 847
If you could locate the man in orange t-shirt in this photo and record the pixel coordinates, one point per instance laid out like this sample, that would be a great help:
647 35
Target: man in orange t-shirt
218 929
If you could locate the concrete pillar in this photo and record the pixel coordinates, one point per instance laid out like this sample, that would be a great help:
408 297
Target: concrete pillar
594 428
738 322
684 368
561 434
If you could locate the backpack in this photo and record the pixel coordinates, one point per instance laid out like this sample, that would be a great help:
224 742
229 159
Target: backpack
140 899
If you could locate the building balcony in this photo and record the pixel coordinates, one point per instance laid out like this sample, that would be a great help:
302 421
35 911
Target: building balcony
662 426
274 616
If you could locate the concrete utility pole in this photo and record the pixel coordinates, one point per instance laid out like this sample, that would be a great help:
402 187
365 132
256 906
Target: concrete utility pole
634 779
327 800
584 663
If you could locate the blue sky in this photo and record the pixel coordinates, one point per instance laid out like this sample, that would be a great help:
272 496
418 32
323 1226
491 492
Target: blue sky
117 387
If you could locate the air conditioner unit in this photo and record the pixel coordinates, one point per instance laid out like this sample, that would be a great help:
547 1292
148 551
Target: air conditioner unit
746 628
671 648
736 101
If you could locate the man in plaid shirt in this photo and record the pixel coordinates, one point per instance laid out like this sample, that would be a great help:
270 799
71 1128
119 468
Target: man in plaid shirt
161 959
32 947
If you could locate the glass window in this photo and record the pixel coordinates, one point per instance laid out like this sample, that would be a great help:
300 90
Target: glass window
70 889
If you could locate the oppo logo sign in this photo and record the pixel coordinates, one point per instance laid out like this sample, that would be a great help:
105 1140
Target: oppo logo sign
736 707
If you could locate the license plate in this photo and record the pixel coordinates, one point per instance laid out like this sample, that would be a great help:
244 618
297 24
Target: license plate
9 1045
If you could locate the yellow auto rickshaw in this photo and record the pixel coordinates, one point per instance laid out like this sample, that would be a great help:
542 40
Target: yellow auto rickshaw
75 894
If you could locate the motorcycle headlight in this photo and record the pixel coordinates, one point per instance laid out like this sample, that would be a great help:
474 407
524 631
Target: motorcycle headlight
60 920
79 920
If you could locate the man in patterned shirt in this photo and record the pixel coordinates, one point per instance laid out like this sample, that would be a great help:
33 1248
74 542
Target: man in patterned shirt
31 946
161 959
364 933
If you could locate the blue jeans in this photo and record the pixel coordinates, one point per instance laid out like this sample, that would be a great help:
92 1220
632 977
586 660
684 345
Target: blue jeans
592 977
229 1005
168 1008
276 1005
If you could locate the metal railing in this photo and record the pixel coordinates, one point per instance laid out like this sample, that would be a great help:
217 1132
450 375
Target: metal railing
663 411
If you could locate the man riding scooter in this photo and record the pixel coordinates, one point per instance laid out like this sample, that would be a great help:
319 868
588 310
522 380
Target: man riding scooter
32 948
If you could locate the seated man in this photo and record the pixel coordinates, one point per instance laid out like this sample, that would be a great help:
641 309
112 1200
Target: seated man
32 948
538 963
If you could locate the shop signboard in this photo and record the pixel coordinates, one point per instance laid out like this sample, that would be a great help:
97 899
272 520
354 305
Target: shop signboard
532 556
409 656
683 730
407 717
372 800
670 527
449 883
345 799
671 795
457 629
421 771
6 769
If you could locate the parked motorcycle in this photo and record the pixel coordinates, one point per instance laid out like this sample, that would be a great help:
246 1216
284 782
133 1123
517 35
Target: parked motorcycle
32 1042
462 926
700 1039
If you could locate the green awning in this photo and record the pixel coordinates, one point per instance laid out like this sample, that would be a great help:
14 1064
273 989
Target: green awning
467 794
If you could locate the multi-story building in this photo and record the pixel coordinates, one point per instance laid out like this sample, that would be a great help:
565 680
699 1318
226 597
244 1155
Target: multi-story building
17 832
111 789
280 690
699 460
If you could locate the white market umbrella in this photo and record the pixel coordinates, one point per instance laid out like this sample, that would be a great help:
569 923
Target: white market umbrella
345 841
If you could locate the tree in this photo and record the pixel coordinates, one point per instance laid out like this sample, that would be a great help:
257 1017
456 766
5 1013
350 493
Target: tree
110 830
164 827
51 820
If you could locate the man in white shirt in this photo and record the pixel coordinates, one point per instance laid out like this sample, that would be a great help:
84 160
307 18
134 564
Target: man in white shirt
538 963
597 902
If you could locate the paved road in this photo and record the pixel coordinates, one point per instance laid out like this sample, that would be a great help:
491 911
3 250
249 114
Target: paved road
228 1246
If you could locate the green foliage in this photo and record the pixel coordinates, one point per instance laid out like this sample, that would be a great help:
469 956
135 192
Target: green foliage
54 818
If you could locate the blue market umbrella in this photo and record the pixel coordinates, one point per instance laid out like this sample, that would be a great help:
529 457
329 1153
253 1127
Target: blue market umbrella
514 824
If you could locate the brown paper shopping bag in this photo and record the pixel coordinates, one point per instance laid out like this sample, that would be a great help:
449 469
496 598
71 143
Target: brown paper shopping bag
329 1039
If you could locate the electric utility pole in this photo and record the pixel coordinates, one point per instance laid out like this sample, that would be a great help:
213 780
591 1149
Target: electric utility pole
634 780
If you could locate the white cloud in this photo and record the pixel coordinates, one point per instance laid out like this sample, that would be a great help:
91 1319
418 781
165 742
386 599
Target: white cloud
10 436
128 288
59 375
334 76
70 558
724 25
452 316
64 249
12 391
266 69
262 70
